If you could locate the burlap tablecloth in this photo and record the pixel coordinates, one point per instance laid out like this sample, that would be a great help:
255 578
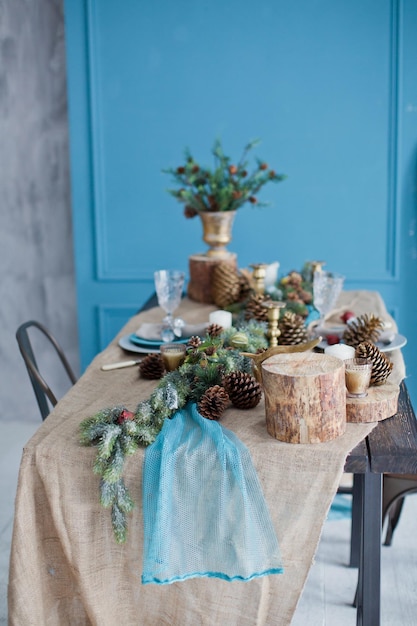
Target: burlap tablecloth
67 569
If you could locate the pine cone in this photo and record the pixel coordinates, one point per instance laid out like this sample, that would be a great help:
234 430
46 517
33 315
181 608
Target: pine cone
225 286
244 390
293 329
213 402
255 309
363 328
194 342
214 330
152 367
381 365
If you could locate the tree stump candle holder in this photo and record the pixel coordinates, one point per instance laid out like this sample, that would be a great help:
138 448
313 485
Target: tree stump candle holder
201 268
305 397
380 403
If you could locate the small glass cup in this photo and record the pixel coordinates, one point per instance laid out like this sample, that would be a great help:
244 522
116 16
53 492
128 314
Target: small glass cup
173 355
357 377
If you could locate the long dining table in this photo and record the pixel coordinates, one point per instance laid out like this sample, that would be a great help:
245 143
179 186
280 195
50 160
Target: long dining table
67 568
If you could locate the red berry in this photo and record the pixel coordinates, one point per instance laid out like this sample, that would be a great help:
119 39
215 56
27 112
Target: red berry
332 339
232 169
347 315
263 166
124 416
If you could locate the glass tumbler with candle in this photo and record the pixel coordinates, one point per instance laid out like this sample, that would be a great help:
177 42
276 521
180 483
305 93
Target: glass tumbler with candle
173 355
357 377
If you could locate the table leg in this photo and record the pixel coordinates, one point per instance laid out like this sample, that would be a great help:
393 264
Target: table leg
355 532
369 586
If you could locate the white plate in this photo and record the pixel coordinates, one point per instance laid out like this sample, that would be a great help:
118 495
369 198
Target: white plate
398 342
126 344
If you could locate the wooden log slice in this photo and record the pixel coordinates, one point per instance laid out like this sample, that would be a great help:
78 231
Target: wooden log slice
305 397
380 403
201 269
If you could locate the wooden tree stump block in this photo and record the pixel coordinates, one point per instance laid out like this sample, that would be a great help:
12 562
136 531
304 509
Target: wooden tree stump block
201 269
305 397
380 403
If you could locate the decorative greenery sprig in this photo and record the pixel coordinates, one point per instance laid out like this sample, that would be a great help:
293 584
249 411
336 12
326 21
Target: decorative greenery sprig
117 432
226 187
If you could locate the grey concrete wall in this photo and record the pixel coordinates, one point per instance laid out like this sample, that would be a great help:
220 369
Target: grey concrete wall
36 256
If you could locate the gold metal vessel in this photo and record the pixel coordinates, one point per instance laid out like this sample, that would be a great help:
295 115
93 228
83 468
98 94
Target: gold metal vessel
217 231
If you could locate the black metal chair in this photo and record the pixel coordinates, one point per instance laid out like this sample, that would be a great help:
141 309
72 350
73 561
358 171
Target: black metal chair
395 488
42 390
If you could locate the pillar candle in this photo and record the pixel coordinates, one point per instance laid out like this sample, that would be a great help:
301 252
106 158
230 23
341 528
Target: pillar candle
340 350
222 318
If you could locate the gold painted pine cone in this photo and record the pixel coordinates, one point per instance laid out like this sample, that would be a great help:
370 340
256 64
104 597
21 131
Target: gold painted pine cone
225 287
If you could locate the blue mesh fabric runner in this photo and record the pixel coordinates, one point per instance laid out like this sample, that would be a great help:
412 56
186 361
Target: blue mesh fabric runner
203 507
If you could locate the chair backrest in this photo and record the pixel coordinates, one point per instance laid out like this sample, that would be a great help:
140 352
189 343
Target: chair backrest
42 390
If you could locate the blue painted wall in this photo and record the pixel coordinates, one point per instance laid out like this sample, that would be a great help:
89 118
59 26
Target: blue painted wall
328 86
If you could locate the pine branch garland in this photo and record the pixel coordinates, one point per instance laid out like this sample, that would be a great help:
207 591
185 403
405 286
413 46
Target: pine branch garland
117 433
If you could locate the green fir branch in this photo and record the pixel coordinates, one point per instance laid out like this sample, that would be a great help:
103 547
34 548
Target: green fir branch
115 463
123 499
108 493
108 440
119 523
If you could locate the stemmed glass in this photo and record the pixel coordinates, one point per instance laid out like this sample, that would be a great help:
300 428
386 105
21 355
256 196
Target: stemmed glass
169 285
326 289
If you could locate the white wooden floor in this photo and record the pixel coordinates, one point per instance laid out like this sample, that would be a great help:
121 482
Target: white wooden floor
327 597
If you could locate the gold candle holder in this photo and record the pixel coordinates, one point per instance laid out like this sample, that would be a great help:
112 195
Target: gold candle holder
258 275
273 317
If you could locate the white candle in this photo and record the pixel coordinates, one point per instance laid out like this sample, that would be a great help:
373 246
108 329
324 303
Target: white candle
222 318
340 350
271 275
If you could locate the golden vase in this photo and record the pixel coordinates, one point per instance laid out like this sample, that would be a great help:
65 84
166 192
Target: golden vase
217 231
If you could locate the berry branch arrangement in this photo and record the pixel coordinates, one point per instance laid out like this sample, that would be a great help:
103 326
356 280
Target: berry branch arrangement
225 187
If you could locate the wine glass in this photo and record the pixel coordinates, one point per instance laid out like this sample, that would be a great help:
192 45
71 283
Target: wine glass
169 285
326 289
